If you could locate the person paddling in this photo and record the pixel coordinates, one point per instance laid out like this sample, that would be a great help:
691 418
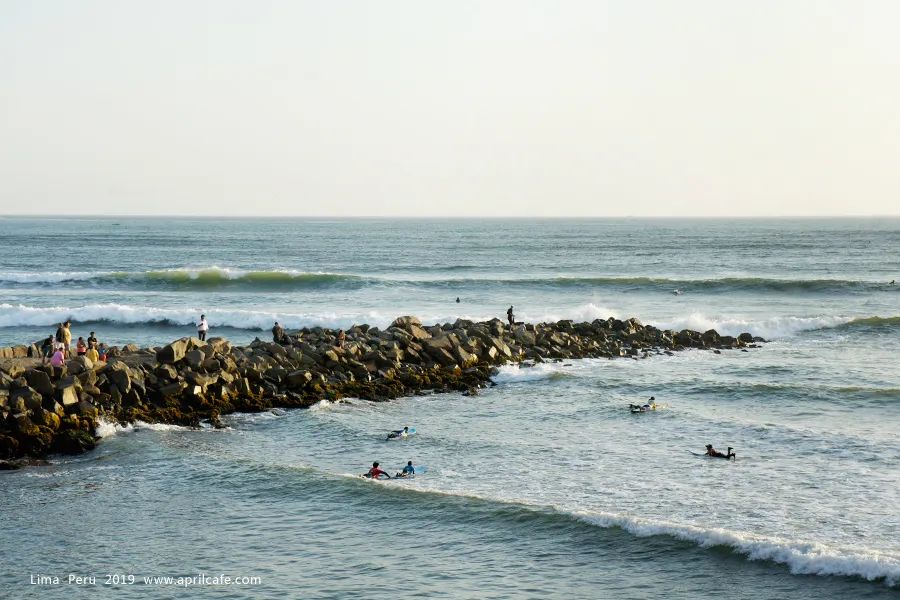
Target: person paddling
407 471
375 472
710 451
399 433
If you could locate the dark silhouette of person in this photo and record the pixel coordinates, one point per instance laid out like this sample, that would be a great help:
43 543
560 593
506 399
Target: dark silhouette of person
510 316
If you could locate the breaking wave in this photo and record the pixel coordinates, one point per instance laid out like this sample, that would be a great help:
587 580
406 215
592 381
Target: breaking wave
215 277
19 315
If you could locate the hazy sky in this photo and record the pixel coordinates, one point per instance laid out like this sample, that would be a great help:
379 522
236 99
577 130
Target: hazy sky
557 108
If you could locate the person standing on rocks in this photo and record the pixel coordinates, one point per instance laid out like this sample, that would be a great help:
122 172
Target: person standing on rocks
92 341
202 328
341 338
278 333
510 317
67 337
47 350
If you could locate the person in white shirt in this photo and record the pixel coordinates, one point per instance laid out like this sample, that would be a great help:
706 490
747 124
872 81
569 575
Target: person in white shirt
202 328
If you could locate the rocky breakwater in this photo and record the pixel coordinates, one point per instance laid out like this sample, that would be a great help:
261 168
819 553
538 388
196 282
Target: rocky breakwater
46 410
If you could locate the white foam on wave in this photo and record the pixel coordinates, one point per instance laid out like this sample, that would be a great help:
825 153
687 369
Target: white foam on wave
139 425
802 557
516 374
51 276
771 328
18 315
107 428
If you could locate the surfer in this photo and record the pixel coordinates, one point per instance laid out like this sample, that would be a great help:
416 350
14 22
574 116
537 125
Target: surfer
375 472
892 283
650 405
407 471
457 299
710 451
399 433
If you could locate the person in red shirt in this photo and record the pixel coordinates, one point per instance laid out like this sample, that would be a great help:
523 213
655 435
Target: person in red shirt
375 472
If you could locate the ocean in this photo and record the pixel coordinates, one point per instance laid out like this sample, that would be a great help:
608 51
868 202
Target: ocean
543 486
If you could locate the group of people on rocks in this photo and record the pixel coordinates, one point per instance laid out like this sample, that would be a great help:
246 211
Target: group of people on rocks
57 348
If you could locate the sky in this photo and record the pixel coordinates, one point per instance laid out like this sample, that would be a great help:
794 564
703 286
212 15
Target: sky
421 108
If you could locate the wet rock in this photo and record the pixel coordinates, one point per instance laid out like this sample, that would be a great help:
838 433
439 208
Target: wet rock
73 441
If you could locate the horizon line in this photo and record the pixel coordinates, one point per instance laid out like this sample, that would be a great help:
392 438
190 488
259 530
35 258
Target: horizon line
457 217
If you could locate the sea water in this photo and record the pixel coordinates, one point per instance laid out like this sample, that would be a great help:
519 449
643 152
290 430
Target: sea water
544 485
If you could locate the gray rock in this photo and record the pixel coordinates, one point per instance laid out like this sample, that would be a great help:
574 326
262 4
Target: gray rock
173 352
40 381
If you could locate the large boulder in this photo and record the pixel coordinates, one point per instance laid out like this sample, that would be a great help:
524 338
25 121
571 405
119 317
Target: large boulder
406 321
40 381
67 394
195 358
119 374
219 345
73 441
298 378
173 352
25 399
46 418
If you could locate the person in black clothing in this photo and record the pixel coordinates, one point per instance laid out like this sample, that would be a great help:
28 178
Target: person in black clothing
710 451
278 333
92 341
47 349
510 317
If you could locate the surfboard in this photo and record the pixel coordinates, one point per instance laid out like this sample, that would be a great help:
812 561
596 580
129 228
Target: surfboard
704 455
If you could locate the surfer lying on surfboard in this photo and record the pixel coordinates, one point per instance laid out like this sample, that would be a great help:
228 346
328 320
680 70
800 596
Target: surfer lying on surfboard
399 433
710 451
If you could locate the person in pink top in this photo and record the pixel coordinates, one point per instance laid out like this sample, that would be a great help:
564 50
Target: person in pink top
59 358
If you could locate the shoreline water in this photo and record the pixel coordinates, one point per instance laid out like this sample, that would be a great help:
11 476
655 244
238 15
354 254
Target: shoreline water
58 410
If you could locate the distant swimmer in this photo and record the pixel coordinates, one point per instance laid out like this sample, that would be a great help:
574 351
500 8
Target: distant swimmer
892 283
457 299
407 471
710 451
375 472
510 317
677 292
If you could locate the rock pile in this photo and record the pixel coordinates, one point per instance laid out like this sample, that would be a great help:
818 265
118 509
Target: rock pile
45 410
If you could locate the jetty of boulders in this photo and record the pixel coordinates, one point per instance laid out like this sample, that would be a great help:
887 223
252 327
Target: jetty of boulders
46 410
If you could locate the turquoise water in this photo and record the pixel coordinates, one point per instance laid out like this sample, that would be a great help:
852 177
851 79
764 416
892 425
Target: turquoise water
542 486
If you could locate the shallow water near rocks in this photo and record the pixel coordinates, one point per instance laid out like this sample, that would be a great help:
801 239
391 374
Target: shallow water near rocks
542 486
